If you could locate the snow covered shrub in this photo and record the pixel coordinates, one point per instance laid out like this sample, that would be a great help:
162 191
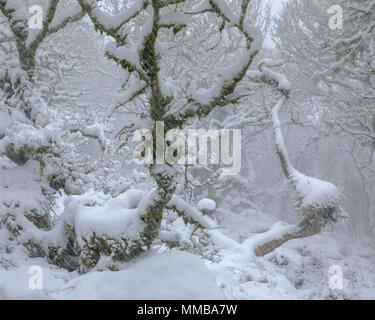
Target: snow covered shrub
30 137
24 206
24 132
98 225
186 235
187 228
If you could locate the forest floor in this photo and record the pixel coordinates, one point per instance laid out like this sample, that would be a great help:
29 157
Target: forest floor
297 270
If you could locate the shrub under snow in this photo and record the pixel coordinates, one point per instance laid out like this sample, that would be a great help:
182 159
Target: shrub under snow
100 225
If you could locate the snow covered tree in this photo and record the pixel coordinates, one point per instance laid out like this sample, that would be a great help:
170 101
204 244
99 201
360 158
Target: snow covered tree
28 40
29 130
341 62
140 34
138 48
17 80
318 200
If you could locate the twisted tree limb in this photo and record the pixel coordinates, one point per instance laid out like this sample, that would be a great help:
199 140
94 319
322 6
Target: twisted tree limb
314 214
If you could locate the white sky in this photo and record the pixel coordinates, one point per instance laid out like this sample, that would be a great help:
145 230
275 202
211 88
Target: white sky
276 6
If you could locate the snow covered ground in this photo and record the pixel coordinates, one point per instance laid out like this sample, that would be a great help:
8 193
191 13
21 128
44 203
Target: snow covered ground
297 270
300 270
170 275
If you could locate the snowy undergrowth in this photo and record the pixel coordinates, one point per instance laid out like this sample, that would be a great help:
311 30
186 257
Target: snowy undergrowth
226 268
299 270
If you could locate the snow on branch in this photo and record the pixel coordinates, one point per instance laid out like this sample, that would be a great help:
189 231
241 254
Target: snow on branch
174 20
28 40
318 200
272 77
352 46
313 192
69 16
36 36
221 92
140 57
94 131
16 14
134 89
123 51
111 23
252 34
185 209
221 7
116 21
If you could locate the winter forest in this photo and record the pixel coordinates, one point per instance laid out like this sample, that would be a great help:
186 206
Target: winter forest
187 149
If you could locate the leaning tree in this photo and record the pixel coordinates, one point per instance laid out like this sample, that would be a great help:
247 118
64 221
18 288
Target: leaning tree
339 65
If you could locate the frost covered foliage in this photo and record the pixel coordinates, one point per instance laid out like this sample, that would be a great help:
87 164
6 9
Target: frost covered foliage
25 114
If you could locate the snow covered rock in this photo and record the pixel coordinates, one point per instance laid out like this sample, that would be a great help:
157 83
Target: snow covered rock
100 225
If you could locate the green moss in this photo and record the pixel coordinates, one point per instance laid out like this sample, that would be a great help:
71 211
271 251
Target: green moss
152 219
23 154
95 246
